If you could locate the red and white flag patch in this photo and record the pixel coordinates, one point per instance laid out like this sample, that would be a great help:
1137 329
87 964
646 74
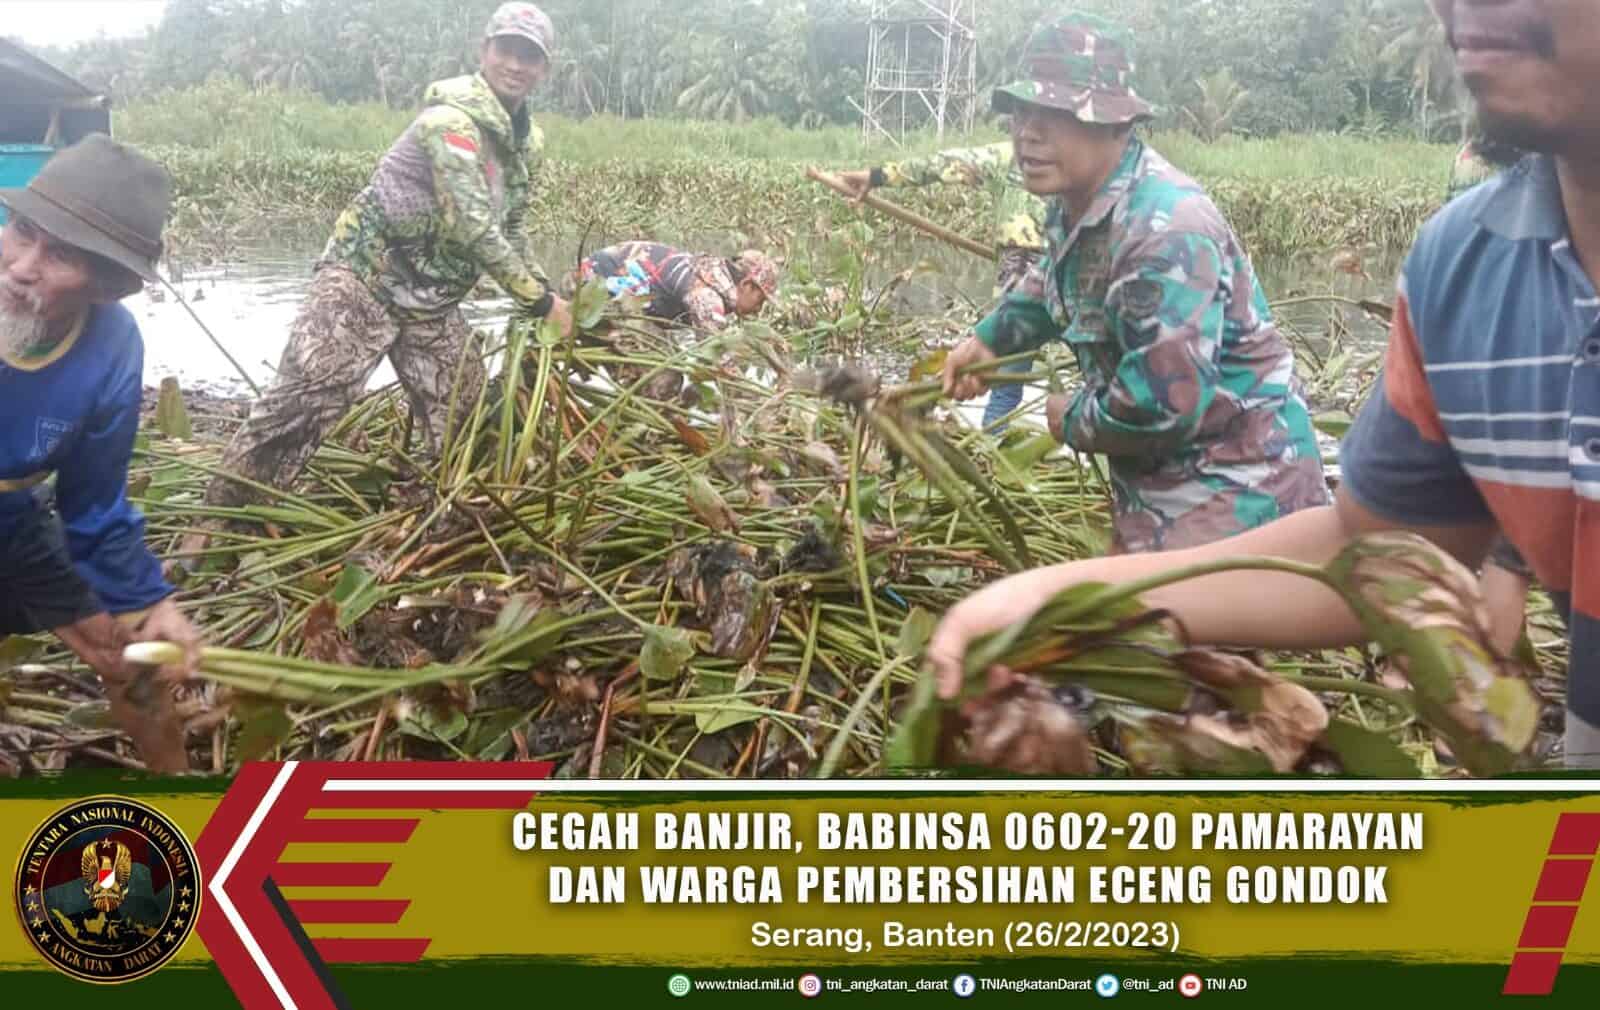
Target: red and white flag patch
463 146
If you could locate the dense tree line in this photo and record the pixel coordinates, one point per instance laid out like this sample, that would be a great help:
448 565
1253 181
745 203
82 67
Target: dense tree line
1254 66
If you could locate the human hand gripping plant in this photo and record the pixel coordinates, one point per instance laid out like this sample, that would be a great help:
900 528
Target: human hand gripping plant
1419 604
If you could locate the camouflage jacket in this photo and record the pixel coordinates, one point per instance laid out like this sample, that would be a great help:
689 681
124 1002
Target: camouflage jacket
446 205
1019 215
1189 388
683 286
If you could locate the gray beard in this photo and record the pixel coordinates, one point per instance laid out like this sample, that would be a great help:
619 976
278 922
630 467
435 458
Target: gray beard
20 331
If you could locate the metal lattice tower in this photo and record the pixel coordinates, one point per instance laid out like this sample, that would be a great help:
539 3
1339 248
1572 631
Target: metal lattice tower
922 67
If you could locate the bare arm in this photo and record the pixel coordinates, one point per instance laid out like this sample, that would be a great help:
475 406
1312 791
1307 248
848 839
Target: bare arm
1262 609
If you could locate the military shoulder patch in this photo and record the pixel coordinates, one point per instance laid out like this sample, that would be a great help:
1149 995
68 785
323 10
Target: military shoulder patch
461 145
108 889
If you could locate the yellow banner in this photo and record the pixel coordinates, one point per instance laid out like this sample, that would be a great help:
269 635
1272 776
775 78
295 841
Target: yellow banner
885 879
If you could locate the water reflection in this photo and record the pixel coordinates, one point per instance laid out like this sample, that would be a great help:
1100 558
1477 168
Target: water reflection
250 304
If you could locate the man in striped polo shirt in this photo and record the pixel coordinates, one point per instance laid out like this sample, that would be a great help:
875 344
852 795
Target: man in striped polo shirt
1487 419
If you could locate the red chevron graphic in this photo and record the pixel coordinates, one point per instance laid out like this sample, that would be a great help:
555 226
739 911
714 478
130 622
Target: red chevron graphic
1555 906
254 935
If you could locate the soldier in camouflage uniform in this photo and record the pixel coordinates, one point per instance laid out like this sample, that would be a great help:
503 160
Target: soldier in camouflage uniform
694 288
1189 388
1019 223
446 204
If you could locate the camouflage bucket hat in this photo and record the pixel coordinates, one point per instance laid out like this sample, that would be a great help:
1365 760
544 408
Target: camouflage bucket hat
524 21
758 266
1082 64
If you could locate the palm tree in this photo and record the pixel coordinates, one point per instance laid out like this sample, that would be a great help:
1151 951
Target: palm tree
723 95
1220 98
1421 53
577 78
731 85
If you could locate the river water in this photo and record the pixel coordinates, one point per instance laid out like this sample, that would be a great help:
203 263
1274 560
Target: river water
249 304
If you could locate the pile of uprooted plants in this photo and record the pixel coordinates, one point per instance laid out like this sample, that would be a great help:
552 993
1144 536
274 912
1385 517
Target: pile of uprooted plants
645 555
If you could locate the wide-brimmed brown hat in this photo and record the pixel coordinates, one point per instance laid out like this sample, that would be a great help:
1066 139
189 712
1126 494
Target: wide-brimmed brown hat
103 197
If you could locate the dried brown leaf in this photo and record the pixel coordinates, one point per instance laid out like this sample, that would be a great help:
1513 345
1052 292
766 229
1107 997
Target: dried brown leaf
1280 720
321 639
1022 728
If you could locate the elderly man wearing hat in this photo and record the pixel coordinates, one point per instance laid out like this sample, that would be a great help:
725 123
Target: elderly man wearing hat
1189 388
85 234
699 289
447 204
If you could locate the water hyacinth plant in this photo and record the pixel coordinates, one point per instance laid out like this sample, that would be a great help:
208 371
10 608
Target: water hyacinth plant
652 553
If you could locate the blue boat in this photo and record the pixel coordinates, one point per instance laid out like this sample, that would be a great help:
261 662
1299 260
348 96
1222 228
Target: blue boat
41 110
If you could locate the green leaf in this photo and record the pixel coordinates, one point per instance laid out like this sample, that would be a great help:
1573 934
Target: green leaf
518 611
1029 454
590 304
547 333
867 495
915 742
490 736
726 717
1333 423
991 650
665 652
1513 704
638 478
356 592
16 650
530 643
263 727
914 633
172 417
428 723
944 577
1523 653
928 367
90 715
709 506
1367 753
747 676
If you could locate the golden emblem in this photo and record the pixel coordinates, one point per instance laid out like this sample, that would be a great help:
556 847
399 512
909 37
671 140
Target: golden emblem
107 866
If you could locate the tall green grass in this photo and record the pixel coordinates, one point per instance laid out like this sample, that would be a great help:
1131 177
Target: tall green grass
230 118
227 117
252 163
1302 156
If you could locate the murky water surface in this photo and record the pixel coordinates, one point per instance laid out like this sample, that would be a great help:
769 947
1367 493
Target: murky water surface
249 304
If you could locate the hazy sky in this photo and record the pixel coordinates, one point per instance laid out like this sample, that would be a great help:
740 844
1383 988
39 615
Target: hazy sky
63 22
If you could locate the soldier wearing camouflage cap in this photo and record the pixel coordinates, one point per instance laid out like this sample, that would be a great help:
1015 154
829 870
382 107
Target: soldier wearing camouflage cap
699 289
447 204
1188 387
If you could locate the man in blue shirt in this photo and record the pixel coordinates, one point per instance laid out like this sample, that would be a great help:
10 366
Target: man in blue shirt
84 234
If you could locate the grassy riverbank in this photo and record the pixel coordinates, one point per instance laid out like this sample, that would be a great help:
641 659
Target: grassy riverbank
249 164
